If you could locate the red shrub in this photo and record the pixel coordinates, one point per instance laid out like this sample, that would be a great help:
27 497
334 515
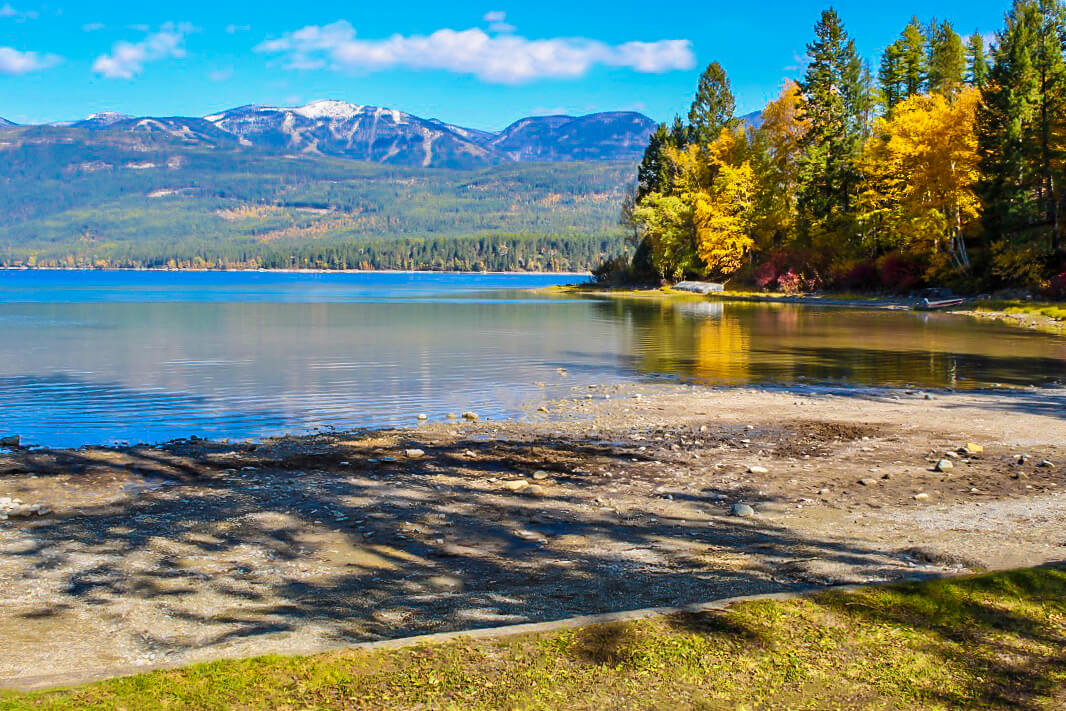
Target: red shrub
765 275
862 277
790 282
899 273
1058 286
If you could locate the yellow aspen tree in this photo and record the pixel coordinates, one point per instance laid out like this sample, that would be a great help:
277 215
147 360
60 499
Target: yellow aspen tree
921 168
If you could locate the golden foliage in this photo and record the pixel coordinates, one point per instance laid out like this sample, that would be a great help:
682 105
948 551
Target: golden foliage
921 167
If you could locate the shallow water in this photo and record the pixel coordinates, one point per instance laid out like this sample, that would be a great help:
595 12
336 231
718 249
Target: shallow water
107 357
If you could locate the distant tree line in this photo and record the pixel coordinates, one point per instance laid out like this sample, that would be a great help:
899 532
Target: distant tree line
947 167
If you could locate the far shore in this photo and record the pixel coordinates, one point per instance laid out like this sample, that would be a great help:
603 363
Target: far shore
281 271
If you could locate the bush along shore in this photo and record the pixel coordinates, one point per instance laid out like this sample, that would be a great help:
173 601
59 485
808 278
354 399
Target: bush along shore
943 170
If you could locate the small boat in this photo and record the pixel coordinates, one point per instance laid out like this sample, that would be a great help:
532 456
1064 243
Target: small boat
935 304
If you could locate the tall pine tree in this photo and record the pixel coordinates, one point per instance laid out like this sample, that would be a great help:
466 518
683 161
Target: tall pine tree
913 59
1021 127
714 105
947 60
890 77
976 61
835 104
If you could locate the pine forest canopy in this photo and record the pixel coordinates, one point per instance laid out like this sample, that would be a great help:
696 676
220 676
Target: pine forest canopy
947 168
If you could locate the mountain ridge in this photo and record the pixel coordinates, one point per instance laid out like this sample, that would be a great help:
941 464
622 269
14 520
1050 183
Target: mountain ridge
369 133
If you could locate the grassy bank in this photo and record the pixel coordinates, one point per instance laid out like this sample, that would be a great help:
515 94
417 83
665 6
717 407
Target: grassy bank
993 641
1046 316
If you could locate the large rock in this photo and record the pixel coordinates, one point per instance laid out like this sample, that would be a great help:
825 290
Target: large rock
742 510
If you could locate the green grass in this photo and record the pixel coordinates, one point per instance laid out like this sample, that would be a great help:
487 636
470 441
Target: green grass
994 641
1052 310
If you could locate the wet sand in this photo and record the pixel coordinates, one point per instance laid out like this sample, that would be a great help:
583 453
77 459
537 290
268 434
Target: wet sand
619 497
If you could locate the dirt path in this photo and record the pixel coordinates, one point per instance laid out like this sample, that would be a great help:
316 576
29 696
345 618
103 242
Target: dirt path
618 498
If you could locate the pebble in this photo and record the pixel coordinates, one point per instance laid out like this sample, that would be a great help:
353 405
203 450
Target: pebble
756 469
540 475
867 482
1046 463
742 510
452 416
423 416
516 485
944 465
414 453
470 415
921 496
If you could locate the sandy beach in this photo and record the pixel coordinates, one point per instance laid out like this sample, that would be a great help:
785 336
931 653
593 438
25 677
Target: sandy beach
618 497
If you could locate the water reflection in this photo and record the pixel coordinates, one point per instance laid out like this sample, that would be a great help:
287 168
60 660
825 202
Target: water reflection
120 362
731 343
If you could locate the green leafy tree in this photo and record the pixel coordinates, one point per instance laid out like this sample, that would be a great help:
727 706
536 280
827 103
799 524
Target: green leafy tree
714 105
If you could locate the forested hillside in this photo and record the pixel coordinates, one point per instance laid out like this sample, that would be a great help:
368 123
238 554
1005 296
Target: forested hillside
161 203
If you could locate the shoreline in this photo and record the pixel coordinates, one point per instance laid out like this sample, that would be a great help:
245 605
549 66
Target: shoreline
281 271
1020 314
196 549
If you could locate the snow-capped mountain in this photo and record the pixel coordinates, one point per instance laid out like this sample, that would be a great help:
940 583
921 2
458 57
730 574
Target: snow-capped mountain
369 133
389 136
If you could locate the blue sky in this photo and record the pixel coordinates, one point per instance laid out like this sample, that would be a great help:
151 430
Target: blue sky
475 65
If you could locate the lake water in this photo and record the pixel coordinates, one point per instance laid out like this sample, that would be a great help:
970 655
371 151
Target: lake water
108 357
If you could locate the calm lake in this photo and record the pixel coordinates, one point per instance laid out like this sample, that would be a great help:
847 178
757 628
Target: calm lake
108 357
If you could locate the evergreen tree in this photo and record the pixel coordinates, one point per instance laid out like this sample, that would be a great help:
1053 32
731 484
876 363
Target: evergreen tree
890 76
835 104
913 59
651 172
1020 132
976 61
654 171
714 105
947 60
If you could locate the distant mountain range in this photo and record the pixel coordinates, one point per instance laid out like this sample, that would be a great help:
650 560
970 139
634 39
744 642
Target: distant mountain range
367 133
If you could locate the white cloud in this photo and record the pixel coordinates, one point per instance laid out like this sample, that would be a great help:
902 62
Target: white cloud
7 10
234 29
14 62
221 74
93 27
507 59
497 20
127 59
